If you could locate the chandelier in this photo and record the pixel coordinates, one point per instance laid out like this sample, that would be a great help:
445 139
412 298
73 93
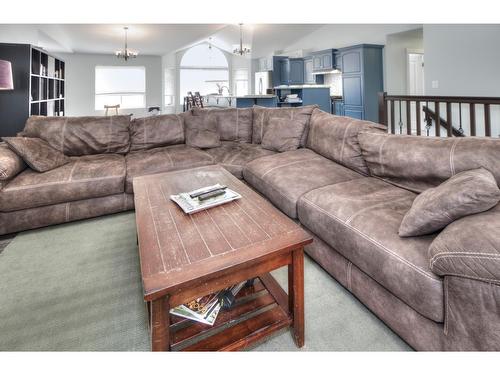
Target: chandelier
126 53
241 51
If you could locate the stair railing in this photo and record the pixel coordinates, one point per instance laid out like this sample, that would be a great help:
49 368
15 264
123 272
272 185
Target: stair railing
411 114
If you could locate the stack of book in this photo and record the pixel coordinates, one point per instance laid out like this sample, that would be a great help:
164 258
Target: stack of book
206 309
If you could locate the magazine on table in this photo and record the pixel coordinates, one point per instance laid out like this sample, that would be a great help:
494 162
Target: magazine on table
203 198
206 309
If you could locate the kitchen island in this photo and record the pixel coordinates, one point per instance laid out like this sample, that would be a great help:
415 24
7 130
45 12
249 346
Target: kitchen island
307 95
243 101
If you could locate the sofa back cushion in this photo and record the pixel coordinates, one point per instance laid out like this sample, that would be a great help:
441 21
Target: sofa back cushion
77 136
233 124
418 163
336 138
283 135
156 131
262 115
201 130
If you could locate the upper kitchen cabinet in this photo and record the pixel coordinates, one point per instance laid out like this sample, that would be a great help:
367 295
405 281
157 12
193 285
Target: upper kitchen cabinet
296 76
308 71
265 64
289 70
362 80
285 71
324 60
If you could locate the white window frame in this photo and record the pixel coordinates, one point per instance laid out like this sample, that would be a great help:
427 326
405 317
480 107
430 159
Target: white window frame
120 94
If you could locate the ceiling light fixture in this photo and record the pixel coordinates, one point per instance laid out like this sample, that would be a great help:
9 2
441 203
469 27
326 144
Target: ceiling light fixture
241 51
126 53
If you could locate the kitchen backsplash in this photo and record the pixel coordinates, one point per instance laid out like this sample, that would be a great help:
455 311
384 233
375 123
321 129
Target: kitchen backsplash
334 80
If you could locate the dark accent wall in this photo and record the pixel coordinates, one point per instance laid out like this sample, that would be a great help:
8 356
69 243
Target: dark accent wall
14 104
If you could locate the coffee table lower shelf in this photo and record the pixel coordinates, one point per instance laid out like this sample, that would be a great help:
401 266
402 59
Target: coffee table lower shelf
258 311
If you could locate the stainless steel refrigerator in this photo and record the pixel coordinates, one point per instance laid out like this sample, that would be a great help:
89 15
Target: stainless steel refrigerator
263 82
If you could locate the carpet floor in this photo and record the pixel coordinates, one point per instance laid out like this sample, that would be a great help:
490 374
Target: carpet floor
77 287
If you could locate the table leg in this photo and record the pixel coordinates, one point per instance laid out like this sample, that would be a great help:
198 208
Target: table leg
160 324
296 295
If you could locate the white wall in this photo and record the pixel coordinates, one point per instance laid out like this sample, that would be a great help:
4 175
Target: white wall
80 82
395 69
464 59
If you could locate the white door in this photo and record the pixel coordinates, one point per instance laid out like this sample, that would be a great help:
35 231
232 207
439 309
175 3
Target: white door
415 73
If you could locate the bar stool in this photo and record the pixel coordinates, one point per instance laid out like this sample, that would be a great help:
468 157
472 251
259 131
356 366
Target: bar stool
108 107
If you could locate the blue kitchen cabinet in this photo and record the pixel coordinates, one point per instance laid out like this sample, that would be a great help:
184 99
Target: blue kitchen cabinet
309 77
296 71
317 95
323 60
279 63
362 80
285 72
338 107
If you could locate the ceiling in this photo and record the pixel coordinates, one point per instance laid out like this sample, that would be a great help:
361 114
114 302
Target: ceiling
160 39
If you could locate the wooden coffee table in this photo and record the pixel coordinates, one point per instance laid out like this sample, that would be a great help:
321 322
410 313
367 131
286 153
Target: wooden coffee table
187 256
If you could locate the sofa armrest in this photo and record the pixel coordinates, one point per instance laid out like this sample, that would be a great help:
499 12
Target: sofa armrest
469 247
11 164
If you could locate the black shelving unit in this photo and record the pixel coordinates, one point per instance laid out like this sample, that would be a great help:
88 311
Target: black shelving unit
39 86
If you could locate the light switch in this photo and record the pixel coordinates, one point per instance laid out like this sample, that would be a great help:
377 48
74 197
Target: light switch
435 84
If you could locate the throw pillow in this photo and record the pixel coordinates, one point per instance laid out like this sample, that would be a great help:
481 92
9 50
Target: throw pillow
11 163
463 194
201 131
36 153
283 135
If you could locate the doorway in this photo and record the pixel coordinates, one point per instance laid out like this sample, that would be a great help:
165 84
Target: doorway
415 72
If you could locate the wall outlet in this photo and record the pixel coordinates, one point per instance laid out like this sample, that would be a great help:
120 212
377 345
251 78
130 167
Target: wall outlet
435 84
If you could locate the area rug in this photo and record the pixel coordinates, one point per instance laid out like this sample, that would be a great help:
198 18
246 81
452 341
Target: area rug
77 287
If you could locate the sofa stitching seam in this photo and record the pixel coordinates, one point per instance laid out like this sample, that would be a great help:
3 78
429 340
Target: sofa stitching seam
436 257
452 156
350 218
286 165
411 265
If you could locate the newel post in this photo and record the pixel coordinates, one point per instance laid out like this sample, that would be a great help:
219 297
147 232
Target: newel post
382 108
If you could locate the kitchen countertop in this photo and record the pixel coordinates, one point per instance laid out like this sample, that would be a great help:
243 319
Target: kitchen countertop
242 96
302 87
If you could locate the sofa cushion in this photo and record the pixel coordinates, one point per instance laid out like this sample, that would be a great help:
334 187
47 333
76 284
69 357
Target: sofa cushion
82 178
360 219
163 159
234 155
36 153
156 131
469 247
234 124
11 164
283 135
283 178
465 193
262 115
336 138
76 136
201 130
419 163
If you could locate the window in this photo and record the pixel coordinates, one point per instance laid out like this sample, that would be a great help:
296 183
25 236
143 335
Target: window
123 85
169 87
240 82
203 68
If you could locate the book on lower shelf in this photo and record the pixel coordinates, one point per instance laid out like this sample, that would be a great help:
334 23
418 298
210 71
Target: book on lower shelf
206 309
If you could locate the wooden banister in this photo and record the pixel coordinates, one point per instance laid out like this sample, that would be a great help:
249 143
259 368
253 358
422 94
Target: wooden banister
388 103
450 129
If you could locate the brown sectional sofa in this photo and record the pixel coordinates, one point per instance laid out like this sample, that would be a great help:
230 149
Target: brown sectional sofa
350 186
